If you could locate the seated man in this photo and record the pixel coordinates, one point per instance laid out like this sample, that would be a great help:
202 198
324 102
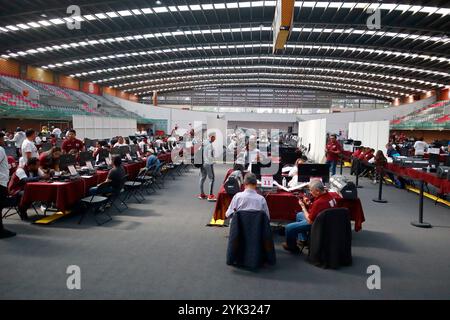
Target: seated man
29 173
322 200
248 199
115 177
152 160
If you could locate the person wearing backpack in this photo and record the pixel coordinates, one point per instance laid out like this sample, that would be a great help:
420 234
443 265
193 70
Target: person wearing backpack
235 180
207 169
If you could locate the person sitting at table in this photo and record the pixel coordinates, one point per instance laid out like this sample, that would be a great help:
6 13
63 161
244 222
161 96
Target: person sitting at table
115 177
391 151
120 142
322 200
49 160
152 160
293 173
23 175
72 145
99 146
142 143
248 199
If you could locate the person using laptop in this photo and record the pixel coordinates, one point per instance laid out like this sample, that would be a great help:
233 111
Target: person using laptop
120 142
248 199
23 175
49 160
152 160
115 177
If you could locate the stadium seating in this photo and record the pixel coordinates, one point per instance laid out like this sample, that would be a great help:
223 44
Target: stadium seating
434 116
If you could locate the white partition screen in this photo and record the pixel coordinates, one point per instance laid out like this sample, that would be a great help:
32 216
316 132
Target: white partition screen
313 134
103 127
373 134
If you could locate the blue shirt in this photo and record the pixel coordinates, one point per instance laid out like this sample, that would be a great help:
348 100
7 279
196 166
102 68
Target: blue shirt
153 161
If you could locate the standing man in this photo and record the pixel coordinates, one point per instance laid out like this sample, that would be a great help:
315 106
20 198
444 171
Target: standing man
4 177
333 151
29 149
72 144
420 147
207 169
18 139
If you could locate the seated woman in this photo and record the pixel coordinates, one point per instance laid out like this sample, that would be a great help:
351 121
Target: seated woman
294 171
49 160
120 142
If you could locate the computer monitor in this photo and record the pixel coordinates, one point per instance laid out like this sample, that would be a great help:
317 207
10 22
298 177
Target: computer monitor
434 159
102 155
89 143
66 160
85 156
307 171
46 146
124 150
115 151
134 149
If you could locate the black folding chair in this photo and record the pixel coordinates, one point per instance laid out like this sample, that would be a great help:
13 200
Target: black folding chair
96 203
115 198
133 188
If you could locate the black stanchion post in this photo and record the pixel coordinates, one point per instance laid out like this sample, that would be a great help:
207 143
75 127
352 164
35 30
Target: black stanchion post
358 169
380 189
342 163
420 223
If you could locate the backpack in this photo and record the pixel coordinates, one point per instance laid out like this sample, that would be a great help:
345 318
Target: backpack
232 185
198 158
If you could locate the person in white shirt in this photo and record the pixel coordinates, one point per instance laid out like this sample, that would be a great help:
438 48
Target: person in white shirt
120 143
294 171
4 178
142 145
29 149
18 138
57 132
420 147
249 199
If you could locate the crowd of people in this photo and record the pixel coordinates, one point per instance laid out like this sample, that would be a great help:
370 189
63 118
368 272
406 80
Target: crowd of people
35 155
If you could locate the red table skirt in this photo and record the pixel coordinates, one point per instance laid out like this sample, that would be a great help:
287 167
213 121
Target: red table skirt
64 195
442 184
283 206
132 169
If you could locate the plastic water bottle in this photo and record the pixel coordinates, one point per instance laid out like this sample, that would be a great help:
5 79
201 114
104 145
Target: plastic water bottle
284 182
